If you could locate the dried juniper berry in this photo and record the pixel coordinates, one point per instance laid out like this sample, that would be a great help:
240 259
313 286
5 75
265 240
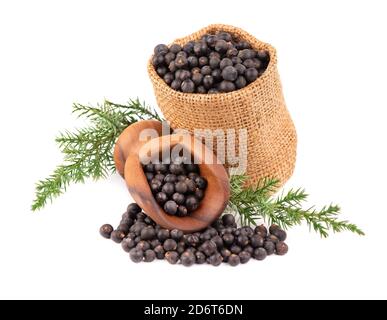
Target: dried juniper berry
143 245
170 207
256 241
161 198
260 254
176 169
246 54
244 257
192 240
203 61
215 260
128 244
169 245
224 36
181 61
155 243
236 60
206 71
234 260
176 234
249 249
155 185
158 60
168 188
184 75
191 203
217 75
117 236
225 254
136 255
169 57
128 221
279 233
261 229
225 62
180 247
229 73
200 257
160 177
199 194
133 208
188 86
240 68
233 52
188 47
163 234
200 48
172 257
178 198
193 61
106 231
148 233
251 74
182 211
201 183
149 255
263 55
221 46
214 62
281 248
161 49
201 90
123 227
197 78
226 86
235 249
272 238
242 45
228 239
269 247
162 71
218 241
208 248
242 241
191 185
176 85
181 187
160 252
228 219
188 259
240 82
208 81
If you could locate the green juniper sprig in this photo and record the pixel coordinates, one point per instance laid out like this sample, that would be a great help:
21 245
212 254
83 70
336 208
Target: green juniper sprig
88 152
285 210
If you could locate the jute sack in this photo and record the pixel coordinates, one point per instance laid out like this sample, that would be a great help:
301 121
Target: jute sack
259 108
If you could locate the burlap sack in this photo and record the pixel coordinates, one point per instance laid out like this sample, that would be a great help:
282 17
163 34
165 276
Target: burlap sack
259 107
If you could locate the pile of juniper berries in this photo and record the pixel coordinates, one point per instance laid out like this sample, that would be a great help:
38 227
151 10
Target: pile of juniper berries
146 241
216 63
177 187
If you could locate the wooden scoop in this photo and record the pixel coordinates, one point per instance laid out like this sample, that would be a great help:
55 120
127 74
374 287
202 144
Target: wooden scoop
217 192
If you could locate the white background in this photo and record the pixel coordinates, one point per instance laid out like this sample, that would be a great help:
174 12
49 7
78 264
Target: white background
333 65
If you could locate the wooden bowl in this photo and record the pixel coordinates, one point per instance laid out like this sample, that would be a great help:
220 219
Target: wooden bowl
216 195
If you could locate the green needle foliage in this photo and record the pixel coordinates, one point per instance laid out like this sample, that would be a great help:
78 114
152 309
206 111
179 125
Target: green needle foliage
88 152
285 210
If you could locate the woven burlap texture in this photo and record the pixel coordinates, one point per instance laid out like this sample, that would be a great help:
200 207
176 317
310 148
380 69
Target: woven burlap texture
259 107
